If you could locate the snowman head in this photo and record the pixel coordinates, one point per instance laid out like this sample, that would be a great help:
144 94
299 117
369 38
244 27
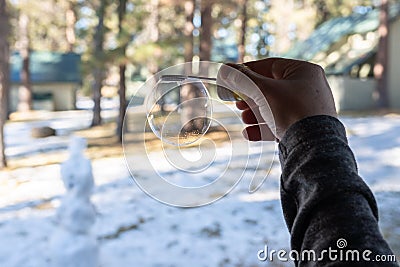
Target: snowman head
76 172
77 145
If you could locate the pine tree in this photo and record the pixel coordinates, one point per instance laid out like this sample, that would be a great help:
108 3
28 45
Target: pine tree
188 30
25 90
122 69
98 56
4 75
70 19
381 65
205 34
242 31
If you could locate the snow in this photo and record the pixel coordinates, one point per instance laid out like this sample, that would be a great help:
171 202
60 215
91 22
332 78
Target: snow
63 122
135 230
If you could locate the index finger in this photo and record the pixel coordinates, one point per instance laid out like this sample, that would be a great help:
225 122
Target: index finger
263 67
283 68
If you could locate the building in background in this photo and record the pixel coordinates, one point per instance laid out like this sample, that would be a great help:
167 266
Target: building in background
55 78
346 47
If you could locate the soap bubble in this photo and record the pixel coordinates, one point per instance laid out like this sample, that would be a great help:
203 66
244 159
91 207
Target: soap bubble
178 109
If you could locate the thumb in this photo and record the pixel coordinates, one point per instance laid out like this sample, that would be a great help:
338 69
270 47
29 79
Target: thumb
246 83
239 79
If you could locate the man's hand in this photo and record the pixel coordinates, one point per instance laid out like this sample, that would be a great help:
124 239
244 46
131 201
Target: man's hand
290 89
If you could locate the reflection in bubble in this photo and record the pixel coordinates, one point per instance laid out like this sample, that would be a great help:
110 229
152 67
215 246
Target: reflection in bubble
178 112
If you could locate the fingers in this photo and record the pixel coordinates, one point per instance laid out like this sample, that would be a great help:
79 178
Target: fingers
251 113
259 132
246 104
252 116
242 105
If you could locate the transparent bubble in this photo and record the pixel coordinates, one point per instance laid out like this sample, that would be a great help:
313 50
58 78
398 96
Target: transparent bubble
178 109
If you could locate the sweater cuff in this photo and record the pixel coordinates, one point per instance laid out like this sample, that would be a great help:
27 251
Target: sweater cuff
310 130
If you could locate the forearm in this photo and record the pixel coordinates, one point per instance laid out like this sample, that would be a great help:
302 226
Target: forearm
323 198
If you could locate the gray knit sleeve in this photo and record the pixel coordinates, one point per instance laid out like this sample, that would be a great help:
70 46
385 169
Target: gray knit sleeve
324 199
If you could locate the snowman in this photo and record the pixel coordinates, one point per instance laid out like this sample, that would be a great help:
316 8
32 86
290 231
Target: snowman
72 244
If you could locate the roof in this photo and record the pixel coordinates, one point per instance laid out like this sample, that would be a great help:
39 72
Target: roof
335 29
48 67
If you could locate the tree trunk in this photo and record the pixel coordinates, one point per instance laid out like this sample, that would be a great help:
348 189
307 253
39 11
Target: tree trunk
122 101
242 33
97 85
322 9
188 31
122 69
192 115
98 72
381 65
25 90
4 76
188 91
205 35
70 18
152 26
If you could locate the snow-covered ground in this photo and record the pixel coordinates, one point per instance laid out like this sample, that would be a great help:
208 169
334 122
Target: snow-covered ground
19 141
135 230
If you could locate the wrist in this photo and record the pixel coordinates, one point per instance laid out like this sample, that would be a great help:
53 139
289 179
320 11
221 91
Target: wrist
311 130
